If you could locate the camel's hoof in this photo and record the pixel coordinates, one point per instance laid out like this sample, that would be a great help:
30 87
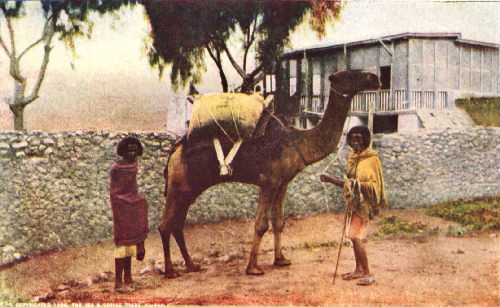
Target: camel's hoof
194 268
255 270
282 262
171 274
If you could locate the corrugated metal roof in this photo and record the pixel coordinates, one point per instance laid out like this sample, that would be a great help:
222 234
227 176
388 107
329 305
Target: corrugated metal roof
316 49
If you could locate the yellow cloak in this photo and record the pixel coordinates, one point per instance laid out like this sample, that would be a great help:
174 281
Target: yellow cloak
367 168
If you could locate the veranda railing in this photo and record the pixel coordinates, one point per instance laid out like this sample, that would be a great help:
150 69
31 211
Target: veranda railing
383 101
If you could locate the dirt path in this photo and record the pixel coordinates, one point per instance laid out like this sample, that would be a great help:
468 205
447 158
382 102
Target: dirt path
424 268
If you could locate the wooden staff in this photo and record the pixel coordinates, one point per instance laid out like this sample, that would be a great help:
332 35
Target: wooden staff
353 191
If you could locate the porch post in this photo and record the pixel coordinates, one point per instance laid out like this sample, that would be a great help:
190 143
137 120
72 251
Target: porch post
371 107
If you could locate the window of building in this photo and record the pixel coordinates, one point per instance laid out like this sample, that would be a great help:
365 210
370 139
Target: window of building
316 84
316 78
293 85
293 77
385 77
270 83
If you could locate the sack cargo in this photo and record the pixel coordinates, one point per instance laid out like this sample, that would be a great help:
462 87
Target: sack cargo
232 114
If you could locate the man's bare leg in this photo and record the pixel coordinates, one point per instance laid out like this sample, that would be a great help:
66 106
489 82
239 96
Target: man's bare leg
360 252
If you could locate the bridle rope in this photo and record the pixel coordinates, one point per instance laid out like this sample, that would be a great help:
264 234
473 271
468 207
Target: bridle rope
340 149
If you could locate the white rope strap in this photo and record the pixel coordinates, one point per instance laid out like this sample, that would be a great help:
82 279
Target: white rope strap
234 150
224 163
224 168
213 117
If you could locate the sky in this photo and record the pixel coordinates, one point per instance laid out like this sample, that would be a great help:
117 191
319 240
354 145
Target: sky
110 85
476 20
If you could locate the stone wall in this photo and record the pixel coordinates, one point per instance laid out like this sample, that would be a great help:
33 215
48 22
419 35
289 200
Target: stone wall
54 188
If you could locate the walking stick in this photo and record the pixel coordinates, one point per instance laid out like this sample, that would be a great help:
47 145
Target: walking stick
353 198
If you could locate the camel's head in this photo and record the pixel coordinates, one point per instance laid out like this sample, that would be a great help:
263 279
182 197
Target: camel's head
351 82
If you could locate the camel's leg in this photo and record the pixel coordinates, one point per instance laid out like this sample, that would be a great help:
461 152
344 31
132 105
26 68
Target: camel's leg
266 197
165 229
178 233
172 222
278 221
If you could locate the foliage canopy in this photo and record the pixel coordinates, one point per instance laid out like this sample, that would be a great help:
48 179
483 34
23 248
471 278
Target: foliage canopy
183 31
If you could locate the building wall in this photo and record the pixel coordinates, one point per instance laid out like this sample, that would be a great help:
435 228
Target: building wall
399 68
54 188
460 69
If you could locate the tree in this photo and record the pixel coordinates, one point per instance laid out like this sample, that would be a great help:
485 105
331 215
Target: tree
183 31
68 19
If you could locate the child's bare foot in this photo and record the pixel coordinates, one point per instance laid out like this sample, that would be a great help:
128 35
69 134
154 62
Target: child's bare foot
124 289
128 280
119 285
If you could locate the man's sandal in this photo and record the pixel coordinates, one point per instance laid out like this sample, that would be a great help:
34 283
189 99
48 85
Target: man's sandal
366 281
351 276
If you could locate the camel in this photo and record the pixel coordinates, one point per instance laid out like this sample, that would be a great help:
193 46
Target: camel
269 162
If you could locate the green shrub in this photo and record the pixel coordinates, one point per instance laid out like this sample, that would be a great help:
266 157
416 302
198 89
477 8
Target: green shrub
395 226
473 214
484 111
8 296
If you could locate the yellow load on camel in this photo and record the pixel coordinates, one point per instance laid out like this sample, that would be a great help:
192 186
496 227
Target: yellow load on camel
236 116
233 114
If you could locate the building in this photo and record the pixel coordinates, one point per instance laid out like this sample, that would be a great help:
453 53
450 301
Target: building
420 73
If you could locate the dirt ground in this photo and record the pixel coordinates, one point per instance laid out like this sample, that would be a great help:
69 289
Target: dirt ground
427 268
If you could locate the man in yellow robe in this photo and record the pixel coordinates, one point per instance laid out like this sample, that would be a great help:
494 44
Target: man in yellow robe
364 174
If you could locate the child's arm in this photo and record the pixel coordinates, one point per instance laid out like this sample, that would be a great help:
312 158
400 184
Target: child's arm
335 181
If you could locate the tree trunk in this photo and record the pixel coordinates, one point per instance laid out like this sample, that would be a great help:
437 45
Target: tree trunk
18 110
247 85
223 81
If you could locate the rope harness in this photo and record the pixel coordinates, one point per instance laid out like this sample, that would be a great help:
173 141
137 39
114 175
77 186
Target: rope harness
225 168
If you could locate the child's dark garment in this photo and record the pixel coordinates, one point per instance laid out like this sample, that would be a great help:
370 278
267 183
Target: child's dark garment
130 209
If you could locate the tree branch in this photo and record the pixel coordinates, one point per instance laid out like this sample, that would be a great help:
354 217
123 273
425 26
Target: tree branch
257 70
238 69
250 38
212 55
259 77
2 43
218 62
41 74
44 33
11 32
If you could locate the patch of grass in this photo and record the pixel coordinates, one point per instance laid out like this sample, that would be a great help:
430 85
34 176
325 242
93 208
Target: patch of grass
395 226
472 214
7 296
484 111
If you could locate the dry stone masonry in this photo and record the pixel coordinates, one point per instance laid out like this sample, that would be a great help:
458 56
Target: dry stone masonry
54 187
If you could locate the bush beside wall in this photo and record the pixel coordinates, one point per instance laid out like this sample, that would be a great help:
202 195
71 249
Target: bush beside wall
485 111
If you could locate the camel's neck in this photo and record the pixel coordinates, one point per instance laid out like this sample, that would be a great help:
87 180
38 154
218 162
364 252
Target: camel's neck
317 143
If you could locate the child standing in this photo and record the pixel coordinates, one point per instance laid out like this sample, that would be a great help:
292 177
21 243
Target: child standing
130 211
